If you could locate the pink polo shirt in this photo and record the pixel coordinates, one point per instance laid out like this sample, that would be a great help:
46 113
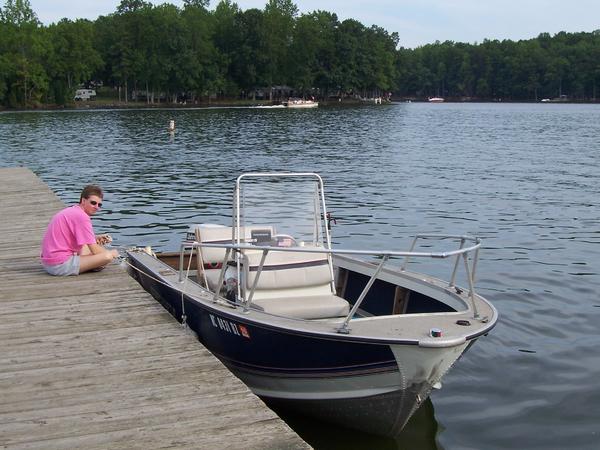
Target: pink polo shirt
67 232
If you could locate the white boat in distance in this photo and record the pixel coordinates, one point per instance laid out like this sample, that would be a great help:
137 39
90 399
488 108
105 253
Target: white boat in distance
436 99
341 335
300 103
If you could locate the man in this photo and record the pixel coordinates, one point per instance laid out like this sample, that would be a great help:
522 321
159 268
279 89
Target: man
70 246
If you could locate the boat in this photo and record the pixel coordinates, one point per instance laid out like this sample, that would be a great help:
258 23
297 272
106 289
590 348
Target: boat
348 336
300 103
436 100
269 106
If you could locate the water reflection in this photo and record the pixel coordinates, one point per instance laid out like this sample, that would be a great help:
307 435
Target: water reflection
420 433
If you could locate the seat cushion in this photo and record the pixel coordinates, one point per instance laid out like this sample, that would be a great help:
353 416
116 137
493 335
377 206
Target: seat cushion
309 307
224 235
212 277
289 270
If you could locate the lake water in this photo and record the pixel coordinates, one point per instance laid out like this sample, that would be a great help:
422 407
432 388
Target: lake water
523 177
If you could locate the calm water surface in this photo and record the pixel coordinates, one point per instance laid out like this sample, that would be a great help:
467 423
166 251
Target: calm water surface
525 178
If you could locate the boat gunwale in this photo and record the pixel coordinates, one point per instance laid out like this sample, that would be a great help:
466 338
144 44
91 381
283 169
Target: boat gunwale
337 251
289 325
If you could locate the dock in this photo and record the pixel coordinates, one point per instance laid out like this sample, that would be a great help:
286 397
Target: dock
93 361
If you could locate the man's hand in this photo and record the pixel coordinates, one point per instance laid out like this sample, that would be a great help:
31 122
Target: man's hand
103 239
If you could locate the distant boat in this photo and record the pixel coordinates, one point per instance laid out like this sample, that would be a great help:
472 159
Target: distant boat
562 98
436 99
269 106
300 103
375 100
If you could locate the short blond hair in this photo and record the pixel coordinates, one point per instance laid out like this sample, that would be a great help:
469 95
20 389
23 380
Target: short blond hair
89 190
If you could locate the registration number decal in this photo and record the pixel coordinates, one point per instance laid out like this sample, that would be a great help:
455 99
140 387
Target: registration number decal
229 326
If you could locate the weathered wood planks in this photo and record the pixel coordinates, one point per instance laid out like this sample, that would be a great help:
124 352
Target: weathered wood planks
94 362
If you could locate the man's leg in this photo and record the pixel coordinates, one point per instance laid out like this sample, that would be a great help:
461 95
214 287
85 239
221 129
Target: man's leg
89 261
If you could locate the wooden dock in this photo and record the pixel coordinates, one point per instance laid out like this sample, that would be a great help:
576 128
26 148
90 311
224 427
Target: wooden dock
94 361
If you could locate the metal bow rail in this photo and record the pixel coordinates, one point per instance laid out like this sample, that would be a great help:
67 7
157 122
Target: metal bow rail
461 253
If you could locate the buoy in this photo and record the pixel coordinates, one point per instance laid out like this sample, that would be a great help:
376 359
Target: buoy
171 126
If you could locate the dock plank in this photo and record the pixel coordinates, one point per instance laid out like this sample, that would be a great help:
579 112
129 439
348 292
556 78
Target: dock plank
95 362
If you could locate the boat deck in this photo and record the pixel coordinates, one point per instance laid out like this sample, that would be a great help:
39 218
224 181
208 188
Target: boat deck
94 362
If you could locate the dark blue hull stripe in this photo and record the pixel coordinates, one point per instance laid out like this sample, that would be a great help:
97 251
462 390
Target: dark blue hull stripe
329 372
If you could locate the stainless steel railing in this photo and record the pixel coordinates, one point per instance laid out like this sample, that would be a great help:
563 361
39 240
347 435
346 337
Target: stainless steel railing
461 253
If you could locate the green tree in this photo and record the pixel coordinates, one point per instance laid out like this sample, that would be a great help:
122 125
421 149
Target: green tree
347 56
191 51
465 77
199 30
23 48
5 64
226 20
279 18
327 24
198 4
177 56
126 46
73 59
304 51
248 69
377 58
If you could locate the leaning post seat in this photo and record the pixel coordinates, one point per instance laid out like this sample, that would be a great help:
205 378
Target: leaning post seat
210 260
293 284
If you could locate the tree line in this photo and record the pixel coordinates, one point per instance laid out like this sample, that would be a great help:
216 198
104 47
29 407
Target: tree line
163 52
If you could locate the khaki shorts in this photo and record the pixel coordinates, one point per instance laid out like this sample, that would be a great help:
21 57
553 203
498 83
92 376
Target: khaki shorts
69 267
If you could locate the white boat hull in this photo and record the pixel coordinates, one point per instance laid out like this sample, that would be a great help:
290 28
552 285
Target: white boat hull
380 402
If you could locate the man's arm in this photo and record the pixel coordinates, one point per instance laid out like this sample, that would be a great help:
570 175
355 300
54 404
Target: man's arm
96 249
103 239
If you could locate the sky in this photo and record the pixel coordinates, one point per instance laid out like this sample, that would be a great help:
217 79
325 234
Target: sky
417 22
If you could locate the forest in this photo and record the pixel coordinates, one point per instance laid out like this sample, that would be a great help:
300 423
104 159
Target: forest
164 53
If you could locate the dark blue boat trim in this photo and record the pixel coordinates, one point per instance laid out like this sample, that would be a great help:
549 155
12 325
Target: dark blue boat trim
320 372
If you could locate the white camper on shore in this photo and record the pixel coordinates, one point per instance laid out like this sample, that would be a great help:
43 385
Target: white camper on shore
85 94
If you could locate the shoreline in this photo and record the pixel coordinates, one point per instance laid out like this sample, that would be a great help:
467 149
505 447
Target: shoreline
94 105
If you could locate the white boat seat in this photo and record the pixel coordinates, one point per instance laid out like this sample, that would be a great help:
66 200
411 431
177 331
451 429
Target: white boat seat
211 259
212 277
308 307
294 284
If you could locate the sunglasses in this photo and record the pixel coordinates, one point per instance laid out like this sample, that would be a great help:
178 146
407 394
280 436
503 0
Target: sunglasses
94 203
